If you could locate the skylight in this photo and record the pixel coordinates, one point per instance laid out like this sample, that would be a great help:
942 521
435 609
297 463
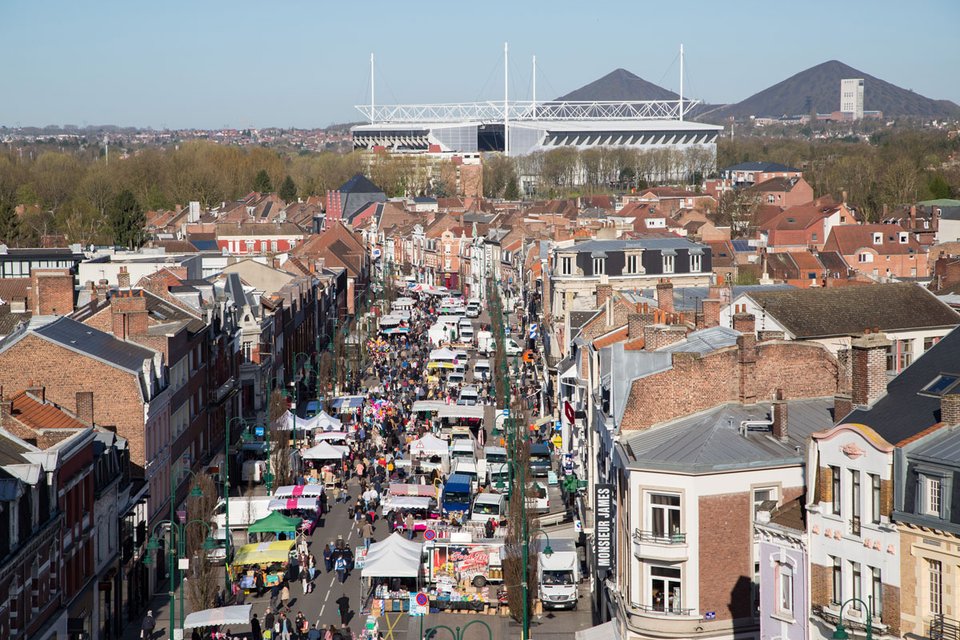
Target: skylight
941 385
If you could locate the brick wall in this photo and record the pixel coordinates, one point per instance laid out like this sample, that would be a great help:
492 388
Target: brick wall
64 373
52 291
656 336
821 585
726 570
802 370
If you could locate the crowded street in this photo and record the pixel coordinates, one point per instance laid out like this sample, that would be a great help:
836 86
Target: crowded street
396 517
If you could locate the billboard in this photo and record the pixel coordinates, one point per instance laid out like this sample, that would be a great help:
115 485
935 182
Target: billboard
603 531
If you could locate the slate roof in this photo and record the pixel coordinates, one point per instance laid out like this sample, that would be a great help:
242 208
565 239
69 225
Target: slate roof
359 183
710 441
821 312
654 243
79 337
903 413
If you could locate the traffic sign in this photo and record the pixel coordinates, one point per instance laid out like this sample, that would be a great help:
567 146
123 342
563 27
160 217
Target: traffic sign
568 411
429 535
422 599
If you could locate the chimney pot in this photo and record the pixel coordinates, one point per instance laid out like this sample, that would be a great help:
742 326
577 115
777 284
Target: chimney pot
780 417
950 409
869 368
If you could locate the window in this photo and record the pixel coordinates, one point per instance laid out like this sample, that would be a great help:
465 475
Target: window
855 502
835 487
935 598
876 592
668 261
784 588
247 351
904 354
836 594
763 495
634 263
904 237
874 498
865 257
855 591
665 589
664 515
813 236
566 265
599 266
696 262
931 492
941 384
770 199
877 238
929 342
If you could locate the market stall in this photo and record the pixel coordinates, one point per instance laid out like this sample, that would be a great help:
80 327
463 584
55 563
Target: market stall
390 573
305 508
298 491
278 524
347 404
460 571
323 451
322 421
271 558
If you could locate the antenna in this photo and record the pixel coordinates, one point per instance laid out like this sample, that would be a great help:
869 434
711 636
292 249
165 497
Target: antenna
506 106
681 82
534 87
373 89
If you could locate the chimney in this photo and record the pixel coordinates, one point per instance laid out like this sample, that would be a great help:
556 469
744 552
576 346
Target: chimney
656 336
103 286
85 407
52 291
913 216
950 409
869 368
123 278
635 323
129 314
711 313
6 410
608 311
744 322
747 360
780 417
665 296
604 291
39 392
842 406
765 336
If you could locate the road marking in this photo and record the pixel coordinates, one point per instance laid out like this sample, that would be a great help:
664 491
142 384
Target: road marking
390 627
322 608
350 534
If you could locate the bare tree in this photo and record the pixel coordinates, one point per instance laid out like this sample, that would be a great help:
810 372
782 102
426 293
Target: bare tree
279 441
201 583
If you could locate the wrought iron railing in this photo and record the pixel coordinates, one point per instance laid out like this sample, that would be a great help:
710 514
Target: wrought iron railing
657 537
942 628
665 609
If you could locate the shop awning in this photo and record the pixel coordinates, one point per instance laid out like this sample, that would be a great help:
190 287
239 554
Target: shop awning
423 406
276 522
322 451
344 403
461 411
442 354
406 502
235 615
263 553
322 420
395 557
429 445
299 491
306 504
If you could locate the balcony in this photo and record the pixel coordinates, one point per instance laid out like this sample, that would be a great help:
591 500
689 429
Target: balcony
657 546
663 610
942 628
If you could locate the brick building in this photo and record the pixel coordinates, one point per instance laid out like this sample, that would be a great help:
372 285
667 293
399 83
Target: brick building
879 250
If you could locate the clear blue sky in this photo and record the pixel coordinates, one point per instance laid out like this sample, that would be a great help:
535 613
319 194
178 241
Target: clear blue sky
210 63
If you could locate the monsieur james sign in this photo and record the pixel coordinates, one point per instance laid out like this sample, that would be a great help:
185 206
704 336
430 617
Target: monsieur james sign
603 533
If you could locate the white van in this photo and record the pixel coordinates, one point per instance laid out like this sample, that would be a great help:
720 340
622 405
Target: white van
559 578
489 505
473 309
463 466
469 396
481 368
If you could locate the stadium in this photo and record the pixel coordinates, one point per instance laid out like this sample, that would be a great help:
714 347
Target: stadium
521 128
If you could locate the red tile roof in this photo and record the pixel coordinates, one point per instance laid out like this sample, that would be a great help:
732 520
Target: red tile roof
34 414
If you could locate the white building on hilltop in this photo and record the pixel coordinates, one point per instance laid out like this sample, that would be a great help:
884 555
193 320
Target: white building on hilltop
851 97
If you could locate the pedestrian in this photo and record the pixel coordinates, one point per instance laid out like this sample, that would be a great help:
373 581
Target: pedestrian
218 598
314 633
269 620
312 567
301 625
304 579
286 629
366 532
408 523
258 582
255 632
285 596
341 567
327 559
149 624
274 594
343 607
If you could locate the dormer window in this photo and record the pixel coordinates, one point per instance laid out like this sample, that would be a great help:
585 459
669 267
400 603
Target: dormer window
634 263
904 237
877 238
599 266
669 260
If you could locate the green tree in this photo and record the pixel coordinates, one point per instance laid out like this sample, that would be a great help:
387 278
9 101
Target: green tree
938 187
127 220
512 190
9 224
262 183
288 190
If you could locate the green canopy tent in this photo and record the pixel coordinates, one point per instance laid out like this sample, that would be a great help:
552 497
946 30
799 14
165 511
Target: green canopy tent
276 523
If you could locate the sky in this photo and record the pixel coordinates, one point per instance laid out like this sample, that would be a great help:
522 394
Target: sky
287 63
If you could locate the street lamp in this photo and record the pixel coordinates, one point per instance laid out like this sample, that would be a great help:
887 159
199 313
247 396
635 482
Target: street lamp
226 495
841 633
547 550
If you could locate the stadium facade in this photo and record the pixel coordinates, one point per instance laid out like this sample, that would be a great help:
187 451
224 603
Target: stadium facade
521 128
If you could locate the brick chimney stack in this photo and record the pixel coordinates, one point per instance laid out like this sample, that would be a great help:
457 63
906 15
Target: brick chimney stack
950 409
747 359
780 417
665 295
711 313
604 291
129 314
123 278
52 291
85 407
635 323
744 322
868 368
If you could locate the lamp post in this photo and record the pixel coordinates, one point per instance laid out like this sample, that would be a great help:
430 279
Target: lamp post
177 532
226 497
841 633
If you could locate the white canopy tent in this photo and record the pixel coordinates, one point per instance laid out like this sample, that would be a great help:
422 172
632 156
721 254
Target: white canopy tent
323 451
221 616
392 503
394 557
461 411
322 420
429 445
